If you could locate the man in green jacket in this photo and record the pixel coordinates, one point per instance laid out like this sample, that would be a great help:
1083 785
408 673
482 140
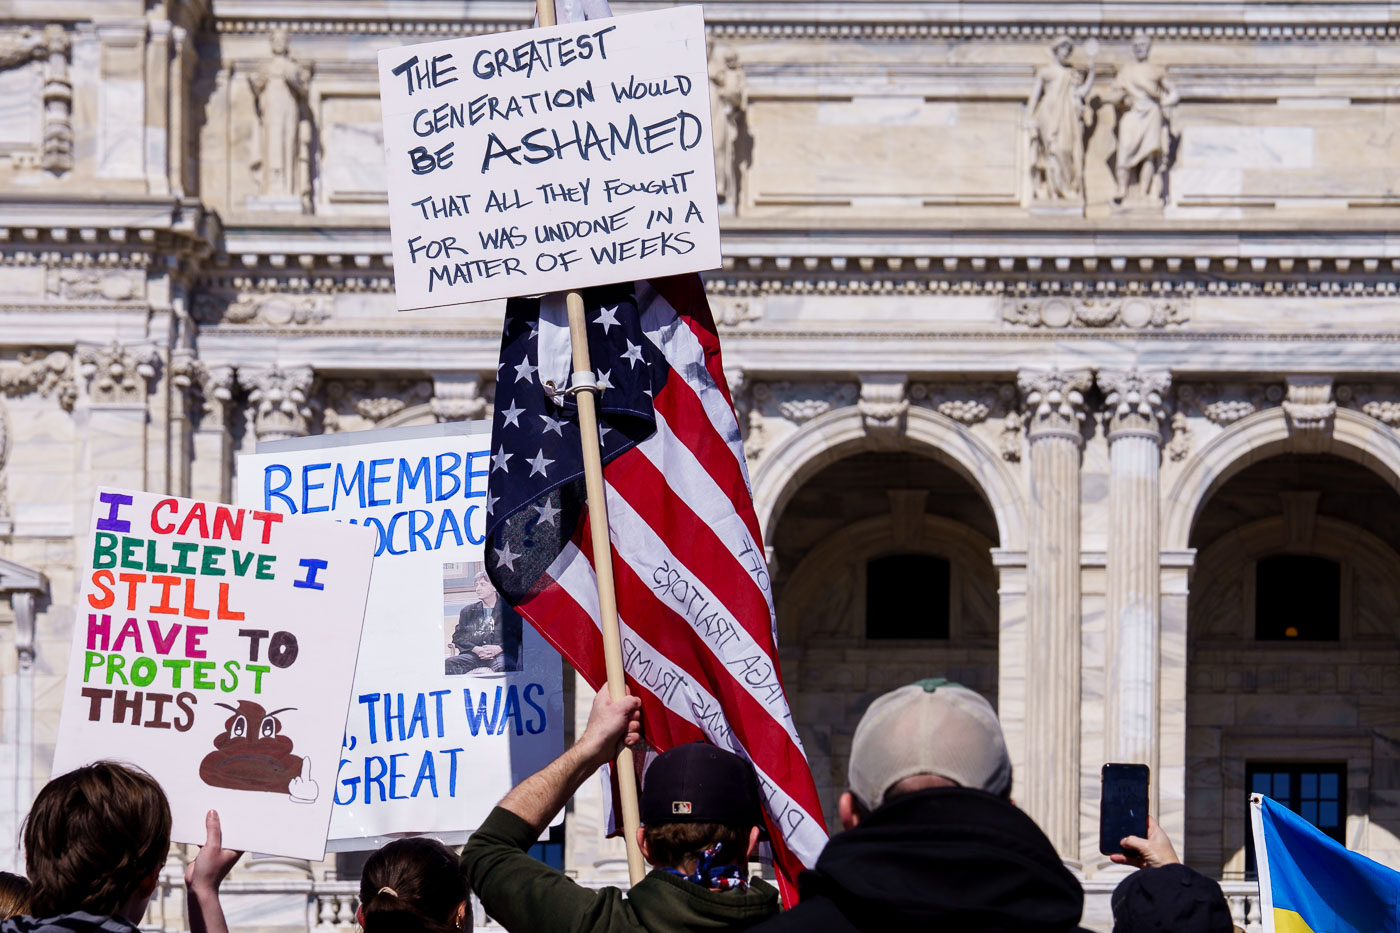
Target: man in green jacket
700 814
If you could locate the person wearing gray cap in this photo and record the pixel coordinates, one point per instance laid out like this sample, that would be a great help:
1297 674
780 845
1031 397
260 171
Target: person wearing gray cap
933 841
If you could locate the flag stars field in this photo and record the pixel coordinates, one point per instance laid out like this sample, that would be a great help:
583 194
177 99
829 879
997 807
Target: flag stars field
539 464
499 459
511 415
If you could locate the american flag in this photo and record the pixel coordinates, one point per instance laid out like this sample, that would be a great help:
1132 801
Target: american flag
693 591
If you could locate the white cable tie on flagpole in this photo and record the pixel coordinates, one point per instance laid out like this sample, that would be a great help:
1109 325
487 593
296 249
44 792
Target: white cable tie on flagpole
582 382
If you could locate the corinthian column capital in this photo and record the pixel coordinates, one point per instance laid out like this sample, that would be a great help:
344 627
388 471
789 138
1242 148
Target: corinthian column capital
1133 402
1054 400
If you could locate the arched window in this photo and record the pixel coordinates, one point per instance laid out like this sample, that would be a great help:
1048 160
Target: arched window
907 596
1297 597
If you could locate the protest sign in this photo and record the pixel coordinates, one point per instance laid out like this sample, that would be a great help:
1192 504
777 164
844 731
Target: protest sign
553 159
214 647
456 698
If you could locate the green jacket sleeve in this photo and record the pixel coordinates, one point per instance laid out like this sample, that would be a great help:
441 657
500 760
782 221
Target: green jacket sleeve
523 894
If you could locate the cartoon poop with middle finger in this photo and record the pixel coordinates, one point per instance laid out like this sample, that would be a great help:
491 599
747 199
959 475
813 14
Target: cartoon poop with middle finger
252 754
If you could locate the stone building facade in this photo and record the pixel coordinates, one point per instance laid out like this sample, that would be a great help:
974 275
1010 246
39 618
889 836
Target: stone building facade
1064 338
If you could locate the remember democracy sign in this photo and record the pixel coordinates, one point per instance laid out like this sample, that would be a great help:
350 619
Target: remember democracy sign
214 647
456 698
557 158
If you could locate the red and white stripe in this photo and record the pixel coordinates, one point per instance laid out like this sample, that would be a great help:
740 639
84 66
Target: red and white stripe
693 592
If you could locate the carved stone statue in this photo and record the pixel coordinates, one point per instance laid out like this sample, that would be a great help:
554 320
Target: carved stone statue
282 137
1143 95
1055 117
728 102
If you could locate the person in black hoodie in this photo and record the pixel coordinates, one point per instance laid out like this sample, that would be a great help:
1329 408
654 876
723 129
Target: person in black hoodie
95 841
933 841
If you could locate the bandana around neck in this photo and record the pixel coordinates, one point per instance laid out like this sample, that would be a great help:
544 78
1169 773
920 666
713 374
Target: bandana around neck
716 877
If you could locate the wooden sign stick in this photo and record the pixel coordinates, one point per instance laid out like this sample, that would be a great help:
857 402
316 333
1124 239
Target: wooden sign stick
586 396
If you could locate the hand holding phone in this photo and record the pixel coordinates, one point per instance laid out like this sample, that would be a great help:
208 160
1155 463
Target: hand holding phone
1123 806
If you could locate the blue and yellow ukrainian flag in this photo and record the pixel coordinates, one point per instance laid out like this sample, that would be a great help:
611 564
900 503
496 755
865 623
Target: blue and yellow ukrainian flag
1310 883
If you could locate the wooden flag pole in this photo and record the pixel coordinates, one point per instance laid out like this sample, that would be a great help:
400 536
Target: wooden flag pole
587 399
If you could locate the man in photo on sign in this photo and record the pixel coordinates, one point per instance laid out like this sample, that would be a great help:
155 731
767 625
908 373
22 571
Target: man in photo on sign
487 637
700 814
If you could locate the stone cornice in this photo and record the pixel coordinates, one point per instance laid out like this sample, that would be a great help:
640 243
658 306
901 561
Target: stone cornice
842 19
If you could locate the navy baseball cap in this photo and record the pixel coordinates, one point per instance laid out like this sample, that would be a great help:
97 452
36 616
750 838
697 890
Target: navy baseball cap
699 783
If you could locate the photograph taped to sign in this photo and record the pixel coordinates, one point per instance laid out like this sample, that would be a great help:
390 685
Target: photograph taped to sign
550 159
456 699
215 648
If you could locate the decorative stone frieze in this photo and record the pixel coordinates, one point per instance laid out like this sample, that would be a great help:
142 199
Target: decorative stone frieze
370 400
1130 312
801 402
1054 401
967 404
117 374
1379 401
48 372
88 284
1224 404
734 312
1133 402
275 310
279 401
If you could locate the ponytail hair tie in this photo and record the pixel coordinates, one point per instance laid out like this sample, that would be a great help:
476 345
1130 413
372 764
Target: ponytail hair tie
389 890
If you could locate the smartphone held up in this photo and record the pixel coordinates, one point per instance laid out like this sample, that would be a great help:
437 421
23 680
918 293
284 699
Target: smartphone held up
1123 805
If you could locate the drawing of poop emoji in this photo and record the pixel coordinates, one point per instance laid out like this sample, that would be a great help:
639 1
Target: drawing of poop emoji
252 754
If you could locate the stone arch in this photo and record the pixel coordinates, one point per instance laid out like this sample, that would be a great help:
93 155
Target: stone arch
821 569
841 433
1265 434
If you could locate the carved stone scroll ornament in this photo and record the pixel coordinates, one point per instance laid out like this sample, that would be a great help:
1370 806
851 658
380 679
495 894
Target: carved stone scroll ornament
117 374
43 371
883 405
275 310
1309 405
967 404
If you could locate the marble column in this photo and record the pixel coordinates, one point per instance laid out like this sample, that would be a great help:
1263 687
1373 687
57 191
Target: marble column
112 417
211 473
1054 402
1133 416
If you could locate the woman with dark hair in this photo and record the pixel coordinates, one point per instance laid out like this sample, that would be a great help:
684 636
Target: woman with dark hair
414 886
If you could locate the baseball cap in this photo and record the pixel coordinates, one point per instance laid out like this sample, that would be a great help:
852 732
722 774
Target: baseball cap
699 783
1170 899
933 726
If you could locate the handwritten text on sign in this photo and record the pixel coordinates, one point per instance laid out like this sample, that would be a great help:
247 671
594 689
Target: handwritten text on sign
215 647
524 163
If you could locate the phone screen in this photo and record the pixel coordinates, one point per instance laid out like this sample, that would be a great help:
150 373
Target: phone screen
1123 810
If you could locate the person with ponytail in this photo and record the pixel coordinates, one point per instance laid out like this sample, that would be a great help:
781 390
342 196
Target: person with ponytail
414 886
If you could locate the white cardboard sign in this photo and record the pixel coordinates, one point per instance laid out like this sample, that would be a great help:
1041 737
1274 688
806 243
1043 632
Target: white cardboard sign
456 699
214 647
530 162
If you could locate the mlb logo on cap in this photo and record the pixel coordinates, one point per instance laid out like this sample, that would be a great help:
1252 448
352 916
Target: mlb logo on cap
680 808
